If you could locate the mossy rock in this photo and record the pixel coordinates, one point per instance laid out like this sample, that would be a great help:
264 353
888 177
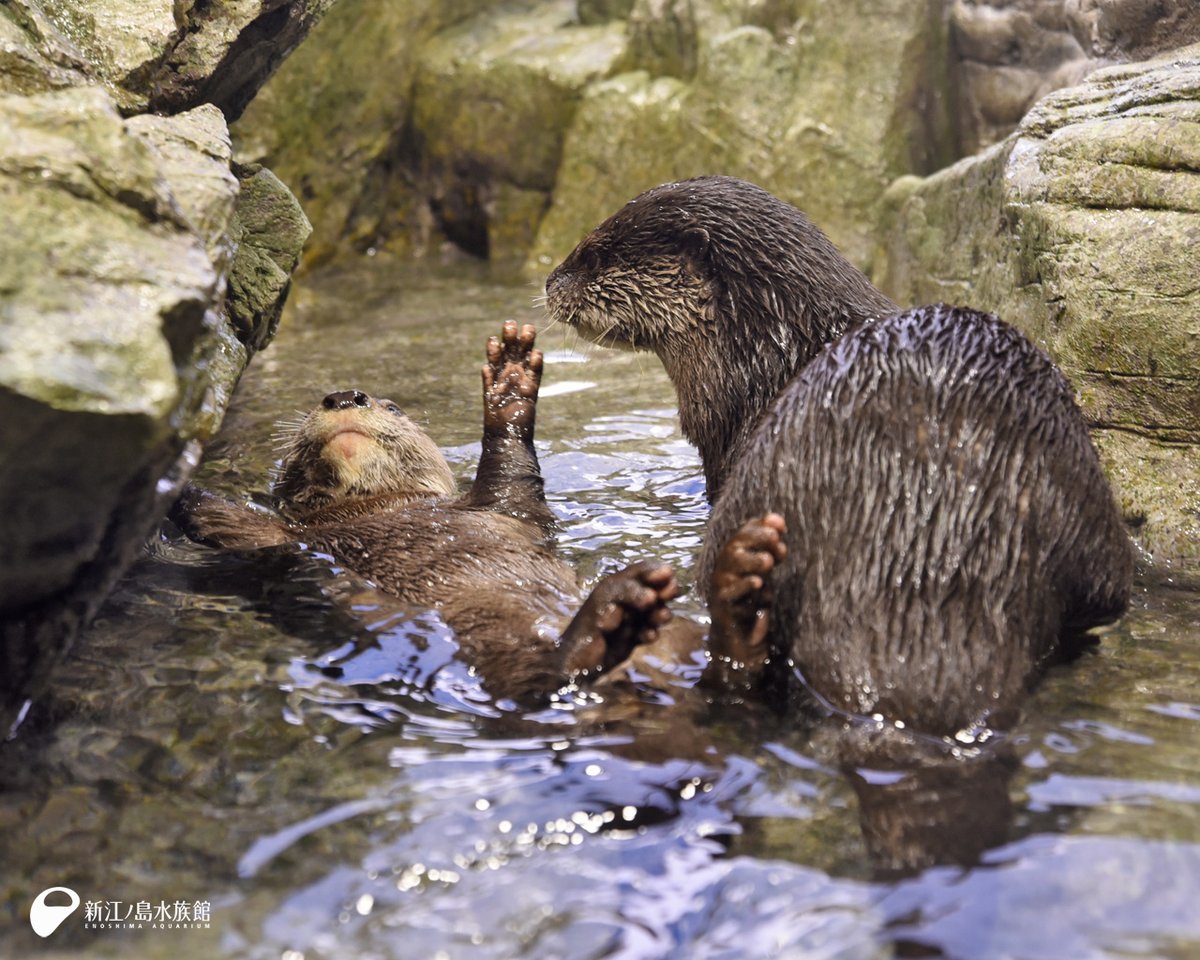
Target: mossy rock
819 110
493 101
330 121
117 357
1083 228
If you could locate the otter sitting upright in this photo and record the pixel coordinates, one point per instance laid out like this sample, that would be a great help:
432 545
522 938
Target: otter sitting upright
948 521
363 483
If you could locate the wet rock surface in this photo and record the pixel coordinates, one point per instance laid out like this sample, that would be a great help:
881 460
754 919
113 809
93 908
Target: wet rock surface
160 55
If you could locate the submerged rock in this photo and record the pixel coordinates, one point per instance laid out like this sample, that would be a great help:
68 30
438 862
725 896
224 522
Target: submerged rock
1083 228
117 352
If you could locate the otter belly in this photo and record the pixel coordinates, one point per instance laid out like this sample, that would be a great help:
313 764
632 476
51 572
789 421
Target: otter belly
430 554
948 521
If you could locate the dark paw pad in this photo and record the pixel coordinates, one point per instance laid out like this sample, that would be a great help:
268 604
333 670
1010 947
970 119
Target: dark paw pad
625 610
511 378
739 591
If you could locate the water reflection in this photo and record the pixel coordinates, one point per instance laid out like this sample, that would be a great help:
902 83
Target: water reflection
280 741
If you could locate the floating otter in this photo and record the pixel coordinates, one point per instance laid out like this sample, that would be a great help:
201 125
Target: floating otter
950 528
363 483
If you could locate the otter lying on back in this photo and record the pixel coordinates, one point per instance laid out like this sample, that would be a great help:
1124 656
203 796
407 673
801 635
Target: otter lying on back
948 521
363 483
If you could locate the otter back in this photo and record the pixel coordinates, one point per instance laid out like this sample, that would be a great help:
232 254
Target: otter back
948 521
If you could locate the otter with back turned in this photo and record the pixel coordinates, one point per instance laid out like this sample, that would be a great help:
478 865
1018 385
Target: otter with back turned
950 529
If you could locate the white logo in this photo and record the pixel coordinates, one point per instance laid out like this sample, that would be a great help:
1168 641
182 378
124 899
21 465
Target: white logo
44 918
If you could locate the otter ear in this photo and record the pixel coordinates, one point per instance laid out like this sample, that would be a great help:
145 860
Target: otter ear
694 241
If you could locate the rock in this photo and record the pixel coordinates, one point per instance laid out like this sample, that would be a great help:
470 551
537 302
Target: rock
116 357
1083 228
665 37
34 56
605 162
162 55
269 229
1008 54
601 11
223 52
434 123
492 103
332 123
1132 29
825 110
434 127
193 155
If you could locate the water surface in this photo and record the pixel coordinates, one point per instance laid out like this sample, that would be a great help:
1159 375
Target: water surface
255 736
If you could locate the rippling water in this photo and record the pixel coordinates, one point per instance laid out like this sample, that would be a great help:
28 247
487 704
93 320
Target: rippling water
270 741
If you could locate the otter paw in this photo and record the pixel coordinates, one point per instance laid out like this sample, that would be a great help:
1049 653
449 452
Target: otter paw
740 595
511 378
625 610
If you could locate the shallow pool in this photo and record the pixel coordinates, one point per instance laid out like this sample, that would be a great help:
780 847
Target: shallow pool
313 778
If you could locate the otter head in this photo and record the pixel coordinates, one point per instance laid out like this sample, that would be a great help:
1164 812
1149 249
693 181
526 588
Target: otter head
354 445
711 255
733 288
639 277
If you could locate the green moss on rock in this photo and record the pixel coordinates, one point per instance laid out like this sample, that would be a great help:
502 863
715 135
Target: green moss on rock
1083 228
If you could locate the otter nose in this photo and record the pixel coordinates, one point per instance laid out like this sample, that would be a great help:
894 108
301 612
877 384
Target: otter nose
345 399
557 279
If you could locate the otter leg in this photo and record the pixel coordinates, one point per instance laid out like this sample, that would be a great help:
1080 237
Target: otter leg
625 610
217 522
739 601
509 479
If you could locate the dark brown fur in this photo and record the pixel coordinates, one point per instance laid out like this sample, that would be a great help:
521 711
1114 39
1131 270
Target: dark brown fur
947 517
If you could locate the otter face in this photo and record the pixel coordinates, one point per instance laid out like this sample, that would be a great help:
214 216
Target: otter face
639 277
354 445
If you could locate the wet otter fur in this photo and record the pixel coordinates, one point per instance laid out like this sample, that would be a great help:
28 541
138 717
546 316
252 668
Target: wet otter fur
948 522
364 484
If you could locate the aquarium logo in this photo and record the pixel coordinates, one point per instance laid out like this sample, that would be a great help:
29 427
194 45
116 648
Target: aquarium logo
44 918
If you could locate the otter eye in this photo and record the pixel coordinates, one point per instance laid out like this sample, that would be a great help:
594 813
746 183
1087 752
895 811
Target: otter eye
392 408
590 257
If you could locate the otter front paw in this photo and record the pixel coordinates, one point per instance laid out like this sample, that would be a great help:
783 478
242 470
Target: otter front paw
740 596
511 378
216 522
625 610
